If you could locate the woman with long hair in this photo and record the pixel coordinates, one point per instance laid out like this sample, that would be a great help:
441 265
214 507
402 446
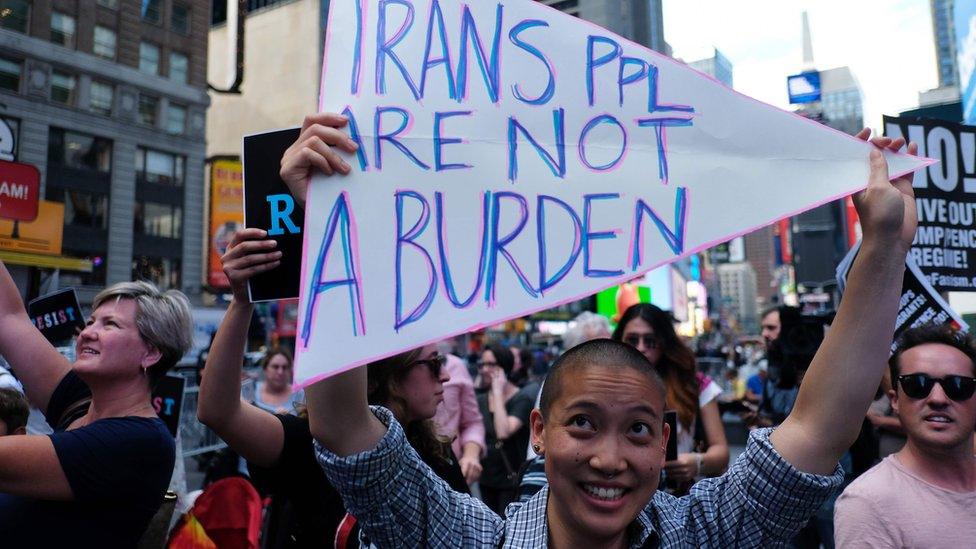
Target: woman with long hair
100 477
278 445
702 448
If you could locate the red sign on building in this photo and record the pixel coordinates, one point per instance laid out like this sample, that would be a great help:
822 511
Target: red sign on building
19 186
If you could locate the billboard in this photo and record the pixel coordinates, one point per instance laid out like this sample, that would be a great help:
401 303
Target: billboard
40 236
964 16
804 87
226 214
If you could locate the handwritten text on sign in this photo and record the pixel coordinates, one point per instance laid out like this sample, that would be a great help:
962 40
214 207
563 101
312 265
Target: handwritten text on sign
511 158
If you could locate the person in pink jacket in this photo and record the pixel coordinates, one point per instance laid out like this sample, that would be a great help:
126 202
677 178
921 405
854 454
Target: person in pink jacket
459 419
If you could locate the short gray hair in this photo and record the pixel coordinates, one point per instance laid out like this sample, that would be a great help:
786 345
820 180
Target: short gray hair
163 320
586 326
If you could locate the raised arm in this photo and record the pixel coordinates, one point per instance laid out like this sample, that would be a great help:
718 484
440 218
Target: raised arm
846 370
251 432
38 365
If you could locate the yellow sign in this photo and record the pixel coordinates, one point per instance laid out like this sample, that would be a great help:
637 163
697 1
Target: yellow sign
41 236
226 214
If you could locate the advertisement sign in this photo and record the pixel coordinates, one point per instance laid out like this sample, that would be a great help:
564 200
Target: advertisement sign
804 87
8 138
19 187
40 236
226 214
268 205
945 196
57 315
964 19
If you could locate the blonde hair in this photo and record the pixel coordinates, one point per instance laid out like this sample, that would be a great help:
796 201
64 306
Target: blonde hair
162 318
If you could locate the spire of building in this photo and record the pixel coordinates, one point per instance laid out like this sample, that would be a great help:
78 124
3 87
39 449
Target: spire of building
807 45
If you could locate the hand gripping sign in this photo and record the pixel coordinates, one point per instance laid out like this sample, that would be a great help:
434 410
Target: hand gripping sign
512 158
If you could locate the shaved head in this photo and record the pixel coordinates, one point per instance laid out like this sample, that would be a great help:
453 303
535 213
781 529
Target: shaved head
597 352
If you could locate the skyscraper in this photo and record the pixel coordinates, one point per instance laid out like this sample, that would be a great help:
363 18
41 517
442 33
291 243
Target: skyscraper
944 31
717 66
639 20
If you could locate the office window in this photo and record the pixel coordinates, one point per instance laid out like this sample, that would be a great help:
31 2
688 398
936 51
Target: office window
10 71
159 167
104 44
63 87
175 119
102 97
111 4
62 29
179 67
155 219
180 19
164 272
148 109
84 209
79 150
149 58
152 11
14 14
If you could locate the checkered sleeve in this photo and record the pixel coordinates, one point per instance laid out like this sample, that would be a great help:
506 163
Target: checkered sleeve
400 502
762 501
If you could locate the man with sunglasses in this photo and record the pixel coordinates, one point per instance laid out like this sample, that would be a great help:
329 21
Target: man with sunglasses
924 495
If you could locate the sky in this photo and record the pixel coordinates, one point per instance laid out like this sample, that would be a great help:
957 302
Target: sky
888 45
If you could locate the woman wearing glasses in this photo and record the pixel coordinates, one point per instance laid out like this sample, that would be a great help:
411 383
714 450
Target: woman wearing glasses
505 409
702 448
278 447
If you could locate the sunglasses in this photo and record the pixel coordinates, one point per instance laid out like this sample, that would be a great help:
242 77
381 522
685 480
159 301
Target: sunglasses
958 388
650 340
434 364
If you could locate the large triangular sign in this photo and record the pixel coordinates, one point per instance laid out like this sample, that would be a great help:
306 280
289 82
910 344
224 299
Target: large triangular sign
514 158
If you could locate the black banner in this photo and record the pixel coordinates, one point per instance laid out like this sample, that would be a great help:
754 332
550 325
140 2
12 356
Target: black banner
920 303
268 205
57 315
167 399
945 196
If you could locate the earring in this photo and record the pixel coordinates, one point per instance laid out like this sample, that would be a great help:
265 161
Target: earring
537 448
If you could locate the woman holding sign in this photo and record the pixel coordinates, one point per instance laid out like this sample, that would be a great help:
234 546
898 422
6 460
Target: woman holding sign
702 449
278 446
100 477
600 423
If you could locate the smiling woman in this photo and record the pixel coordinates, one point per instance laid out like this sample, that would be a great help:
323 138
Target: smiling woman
110 458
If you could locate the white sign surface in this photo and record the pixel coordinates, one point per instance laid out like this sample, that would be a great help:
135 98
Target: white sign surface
513 158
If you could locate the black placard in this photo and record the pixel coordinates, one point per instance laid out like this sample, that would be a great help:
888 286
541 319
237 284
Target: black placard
167 399
264 194
671 418
945 195
57 315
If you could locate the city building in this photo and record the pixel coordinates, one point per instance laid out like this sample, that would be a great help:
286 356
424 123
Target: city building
717 66
639 20
738 285
107 98
944 32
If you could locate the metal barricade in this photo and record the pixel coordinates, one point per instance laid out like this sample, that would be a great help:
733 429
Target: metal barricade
195 437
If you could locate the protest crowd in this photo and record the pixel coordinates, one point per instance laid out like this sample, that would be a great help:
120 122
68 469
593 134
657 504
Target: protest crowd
616 439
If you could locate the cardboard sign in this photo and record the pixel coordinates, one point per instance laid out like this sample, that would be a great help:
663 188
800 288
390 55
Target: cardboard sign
920 303
167 400
945 196
19 188
57 315
269 205
512 158
226 215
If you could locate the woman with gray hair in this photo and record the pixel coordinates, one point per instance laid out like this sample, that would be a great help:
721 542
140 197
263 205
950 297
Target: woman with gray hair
99 479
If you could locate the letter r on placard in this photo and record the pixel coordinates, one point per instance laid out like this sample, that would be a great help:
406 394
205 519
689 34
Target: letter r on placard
281 207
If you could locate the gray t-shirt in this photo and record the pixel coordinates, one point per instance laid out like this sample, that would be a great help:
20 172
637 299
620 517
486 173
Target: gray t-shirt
889 506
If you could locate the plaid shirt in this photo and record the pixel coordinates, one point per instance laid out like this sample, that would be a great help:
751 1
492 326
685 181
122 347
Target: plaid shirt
762 501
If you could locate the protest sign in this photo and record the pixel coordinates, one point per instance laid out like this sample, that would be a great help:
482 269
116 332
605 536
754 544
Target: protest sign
919 304
945 196
167 400
512 157
268 205
57 315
